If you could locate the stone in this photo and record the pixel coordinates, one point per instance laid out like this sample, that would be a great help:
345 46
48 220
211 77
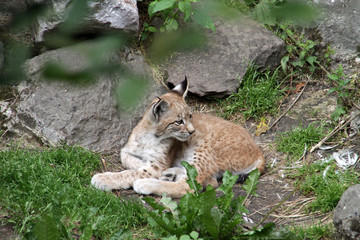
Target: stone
115 15
340 27
217 68
59 112
347 214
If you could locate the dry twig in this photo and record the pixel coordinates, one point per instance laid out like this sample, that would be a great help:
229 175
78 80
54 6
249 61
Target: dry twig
288 109
335 130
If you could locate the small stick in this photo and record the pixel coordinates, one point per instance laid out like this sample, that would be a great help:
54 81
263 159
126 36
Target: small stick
335 130
293 103
104 164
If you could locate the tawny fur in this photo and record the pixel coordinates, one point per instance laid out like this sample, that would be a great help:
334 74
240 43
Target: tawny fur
168 134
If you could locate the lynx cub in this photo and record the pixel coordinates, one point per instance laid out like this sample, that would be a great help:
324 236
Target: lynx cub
168 134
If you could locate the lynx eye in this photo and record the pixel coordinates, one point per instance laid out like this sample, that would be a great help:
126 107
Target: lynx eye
179 122
190 116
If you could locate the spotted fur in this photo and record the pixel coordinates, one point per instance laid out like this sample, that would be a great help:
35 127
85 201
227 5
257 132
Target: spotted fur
170 133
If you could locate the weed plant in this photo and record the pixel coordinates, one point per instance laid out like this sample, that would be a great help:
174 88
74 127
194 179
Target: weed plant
294 142
259 94
52 187
326 182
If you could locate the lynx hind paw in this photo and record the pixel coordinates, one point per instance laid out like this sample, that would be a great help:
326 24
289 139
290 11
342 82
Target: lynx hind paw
173 174
107 182
145 186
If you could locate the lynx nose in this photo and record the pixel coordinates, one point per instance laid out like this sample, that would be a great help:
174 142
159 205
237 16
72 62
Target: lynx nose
191 131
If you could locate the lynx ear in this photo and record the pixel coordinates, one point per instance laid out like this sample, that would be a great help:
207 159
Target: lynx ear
159 108
182 88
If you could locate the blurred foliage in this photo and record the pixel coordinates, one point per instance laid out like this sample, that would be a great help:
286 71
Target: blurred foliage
179 31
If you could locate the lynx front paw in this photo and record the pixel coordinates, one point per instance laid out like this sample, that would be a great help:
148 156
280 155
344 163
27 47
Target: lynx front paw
108 181
173 174
145 186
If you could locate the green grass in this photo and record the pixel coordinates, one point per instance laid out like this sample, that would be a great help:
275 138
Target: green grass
314 232
293 142
259 94
55 184
326 182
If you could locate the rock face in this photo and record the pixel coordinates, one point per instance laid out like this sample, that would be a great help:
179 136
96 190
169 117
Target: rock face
58 112
216 69
347 214
104 15
340 28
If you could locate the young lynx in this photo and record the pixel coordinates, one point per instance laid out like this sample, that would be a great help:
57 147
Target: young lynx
168 134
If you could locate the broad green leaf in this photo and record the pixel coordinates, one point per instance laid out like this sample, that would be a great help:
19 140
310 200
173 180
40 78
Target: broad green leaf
46 229
194 235
184 237
186 8
251 182
151 7
192 174
162 5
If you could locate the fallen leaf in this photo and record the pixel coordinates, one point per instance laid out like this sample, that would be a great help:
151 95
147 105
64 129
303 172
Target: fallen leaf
262 127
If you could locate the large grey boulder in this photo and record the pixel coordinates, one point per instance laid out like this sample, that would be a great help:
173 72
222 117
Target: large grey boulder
347 214
340 27
104 15
217 68
59 112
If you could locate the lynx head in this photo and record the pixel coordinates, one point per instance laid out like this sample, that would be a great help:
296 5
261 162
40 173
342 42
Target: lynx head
170 115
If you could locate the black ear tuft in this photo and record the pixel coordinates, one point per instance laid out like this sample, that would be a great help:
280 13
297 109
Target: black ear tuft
159 108
182 88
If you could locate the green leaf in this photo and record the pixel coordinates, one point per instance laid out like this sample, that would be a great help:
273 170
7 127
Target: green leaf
184 237
203 19
171 24
194 235
228 182
333 77
162 5
151 7
46 228
263 13
192 174
186 8
152 29
172 205
311 60
298 63
251 182
284 61
151 201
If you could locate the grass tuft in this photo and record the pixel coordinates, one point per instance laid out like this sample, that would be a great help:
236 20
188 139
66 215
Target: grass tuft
326 182
259 94
294 142
54 184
